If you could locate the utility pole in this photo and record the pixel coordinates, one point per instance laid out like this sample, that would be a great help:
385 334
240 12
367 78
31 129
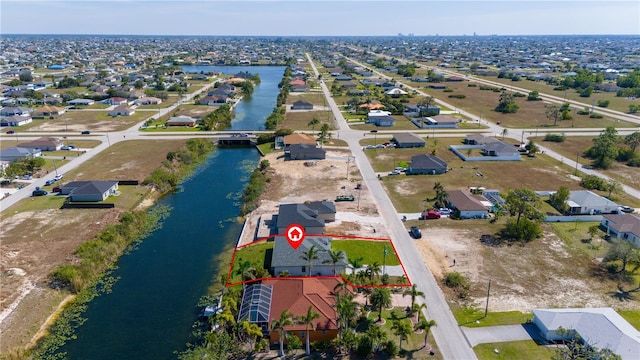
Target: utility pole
577 157
348 160
384 260
486 309
55 167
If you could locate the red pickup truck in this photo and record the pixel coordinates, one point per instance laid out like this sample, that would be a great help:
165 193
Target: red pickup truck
431 214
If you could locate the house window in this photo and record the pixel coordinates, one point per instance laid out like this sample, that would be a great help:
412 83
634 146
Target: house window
302 334
304 269
324 332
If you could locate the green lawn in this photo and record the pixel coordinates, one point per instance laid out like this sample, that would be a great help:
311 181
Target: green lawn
473 317
632 316
256 254
521 350
577 238
370 250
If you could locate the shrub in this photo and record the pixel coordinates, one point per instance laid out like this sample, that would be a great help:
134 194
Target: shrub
472 85
458 96
525 229
593 182
635 162
555 137
365 346
455 279
603 103
519 95
391 348
595 116
447 90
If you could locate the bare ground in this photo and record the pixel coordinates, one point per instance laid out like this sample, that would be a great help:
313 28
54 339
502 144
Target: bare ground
540 274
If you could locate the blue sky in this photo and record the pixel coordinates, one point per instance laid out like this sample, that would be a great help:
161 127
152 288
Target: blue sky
305 17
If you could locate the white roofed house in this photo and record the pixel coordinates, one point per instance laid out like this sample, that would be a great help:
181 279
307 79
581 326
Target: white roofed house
585 202
598 327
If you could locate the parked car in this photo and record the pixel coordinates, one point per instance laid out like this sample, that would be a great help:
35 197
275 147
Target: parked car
415 232
395 172
431 214
627 209
11 132
56 189
86 132
67 147
49 182
58 177
445 211
39 192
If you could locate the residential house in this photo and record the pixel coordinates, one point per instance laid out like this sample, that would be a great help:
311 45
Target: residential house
148 100
467 205
396 92
622 226
312 216
407 140
301 105
263 303
501 149
117 101
306 152
48 112
81 102
437 121
427 164
298 85
43 144
89 191
182 120
289 260
298 139
381 118
478 139
213 100
585 202
603 328
16 120
17 153
15 110
122 110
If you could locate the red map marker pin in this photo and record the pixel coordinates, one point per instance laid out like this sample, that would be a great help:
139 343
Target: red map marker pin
295 235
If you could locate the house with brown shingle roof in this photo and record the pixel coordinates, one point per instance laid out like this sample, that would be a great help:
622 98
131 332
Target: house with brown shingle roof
622 226
47 111
42 144
467 205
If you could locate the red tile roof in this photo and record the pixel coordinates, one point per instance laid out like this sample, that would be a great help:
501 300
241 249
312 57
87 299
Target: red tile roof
296 295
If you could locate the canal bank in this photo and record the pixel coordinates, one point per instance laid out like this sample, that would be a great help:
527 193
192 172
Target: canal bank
150 309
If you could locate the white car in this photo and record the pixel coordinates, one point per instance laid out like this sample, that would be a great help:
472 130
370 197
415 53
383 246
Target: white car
58 177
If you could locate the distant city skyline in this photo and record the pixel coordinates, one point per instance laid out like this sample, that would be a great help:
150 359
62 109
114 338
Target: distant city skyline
320 18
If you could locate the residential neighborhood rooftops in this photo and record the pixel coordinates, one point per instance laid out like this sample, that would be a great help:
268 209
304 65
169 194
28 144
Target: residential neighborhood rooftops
465 201
285 255
586 198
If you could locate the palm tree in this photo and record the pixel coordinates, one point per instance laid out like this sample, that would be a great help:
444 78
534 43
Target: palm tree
377 336
324 131
307 320
419 309
402 329
374 270
504 133
380 298
426 326
334 259
313 124
279 324
414 292
251 330
309 256
442 197
245 270
355 263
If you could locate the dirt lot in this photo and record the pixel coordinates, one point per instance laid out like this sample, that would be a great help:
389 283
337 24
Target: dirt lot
540 274
37 237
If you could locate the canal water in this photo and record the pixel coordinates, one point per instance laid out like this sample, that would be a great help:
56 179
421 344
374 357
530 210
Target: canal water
151 308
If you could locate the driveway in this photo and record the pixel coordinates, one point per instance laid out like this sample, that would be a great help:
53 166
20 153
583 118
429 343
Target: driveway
504 333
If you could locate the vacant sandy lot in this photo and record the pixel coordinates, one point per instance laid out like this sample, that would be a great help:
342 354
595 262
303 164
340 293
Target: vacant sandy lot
538 275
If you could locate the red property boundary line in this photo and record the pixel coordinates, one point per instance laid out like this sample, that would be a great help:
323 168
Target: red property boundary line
352 237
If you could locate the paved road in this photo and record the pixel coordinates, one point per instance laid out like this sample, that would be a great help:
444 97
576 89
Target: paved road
521 134
447 334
